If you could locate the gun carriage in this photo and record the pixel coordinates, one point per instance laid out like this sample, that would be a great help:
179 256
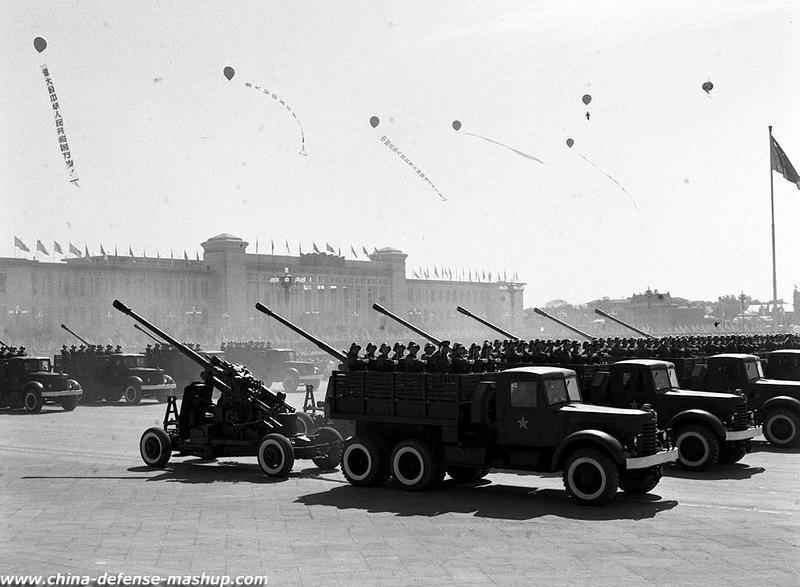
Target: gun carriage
247 419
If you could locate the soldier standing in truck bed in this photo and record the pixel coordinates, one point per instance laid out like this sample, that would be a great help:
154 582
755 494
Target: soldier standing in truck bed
383 362
410 363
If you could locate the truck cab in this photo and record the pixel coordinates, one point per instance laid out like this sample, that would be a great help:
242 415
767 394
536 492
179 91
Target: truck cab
777 401
783 364
29 382
706 427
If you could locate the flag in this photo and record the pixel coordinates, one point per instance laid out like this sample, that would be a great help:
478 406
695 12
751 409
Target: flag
436 272
328 248
185 256
40 247
256 246
102 250
363 248
57 248
116 254
299 247
339 251
20 245
490 275
272 246
416 275
130 251
158 255
197 254
352 250
74 250
314 246
288 252
781 163
86 247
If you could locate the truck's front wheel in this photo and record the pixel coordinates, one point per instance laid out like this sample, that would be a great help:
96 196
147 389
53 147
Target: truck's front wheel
132 393
365 461
414 466
698 447
640 481
591 477
782 428
466 474
32 401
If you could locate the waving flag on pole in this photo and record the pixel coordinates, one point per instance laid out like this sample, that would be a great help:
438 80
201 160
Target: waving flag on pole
314 246
57 248
41 248
74 250
20 245
352 250
781 163
363 248
329 249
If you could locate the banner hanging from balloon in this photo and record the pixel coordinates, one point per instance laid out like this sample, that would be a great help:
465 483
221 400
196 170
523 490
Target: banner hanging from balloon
374 121
283 103
571 142
40 45
457 127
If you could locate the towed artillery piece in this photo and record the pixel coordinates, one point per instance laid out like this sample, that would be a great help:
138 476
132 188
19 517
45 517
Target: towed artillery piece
622 323
381 310
246 420
108 375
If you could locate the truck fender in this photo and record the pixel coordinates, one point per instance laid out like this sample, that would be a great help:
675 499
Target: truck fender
133 379
700 416
781 401
32 385
588 437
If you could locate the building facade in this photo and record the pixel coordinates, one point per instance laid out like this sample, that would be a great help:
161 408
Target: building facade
213 298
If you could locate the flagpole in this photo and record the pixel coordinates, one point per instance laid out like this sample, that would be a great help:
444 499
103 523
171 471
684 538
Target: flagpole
772 210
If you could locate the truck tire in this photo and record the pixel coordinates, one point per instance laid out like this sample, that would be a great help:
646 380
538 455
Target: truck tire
155 447
305 424
328 458
591 477
290 383
276 455
414 466
32 401
640 481
782 428
466 474
733 452
69 403
132 393
698 447
365 462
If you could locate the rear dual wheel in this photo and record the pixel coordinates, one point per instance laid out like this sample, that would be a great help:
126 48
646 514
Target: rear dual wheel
365 461
415 466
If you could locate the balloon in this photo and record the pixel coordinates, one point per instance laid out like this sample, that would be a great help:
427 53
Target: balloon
374 121
570 142
708 86
228 72
586 99
456 125
39 44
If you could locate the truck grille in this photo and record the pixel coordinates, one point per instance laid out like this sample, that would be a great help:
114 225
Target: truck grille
740 418
649 439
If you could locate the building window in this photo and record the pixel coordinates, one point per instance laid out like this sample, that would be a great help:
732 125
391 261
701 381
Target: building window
2 282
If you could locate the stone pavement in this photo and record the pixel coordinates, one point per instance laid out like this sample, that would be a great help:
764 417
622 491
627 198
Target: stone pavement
76 498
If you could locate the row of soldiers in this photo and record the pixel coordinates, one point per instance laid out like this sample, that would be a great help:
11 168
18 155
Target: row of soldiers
7 352
491 356
91 350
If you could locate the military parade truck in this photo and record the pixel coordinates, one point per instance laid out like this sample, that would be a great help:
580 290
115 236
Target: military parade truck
246 420
707 427
30 382
106 375
418 426
273 365
777 401
783 364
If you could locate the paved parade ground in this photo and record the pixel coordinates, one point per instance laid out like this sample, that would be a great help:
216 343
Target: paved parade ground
76 498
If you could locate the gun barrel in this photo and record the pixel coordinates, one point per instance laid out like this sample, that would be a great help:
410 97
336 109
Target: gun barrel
463 310
625 324
422 333
72 332
143 331
193 355
322 345
564 324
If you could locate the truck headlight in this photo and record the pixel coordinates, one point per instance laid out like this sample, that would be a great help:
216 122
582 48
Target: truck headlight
73 385
168 380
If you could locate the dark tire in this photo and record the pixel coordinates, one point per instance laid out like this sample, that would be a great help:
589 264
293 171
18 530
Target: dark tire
290 383
414 466
591 477
698 447
305 424
132 393
32 401
466 474
276 455
733 452
329 457
69 403
639 481
782 428
155 447
365 461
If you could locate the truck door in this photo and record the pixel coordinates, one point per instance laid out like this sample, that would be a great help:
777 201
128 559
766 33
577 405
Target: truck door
522 412
635 387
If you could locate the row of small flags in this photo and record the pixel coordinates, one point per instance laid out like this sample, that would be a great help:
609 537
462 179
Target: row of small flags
73 250
319 250
462 275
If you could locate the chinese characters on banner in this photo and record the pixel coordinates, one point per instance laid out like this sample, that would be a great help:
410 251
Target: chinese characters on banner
62 137
392 147
280 101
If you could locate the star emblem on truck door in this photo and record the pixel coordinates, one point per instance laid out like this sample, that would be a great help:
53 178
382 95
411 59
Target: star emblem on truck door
523 423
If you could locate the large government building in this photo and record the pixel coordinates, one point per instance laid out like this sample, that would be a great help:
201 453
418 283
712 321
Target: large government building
213 299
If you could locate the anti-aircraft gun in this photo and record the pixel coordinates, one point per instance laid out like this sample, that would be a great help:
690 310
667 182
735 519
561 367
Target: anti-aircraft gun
463 310
380 309
247 420
622 323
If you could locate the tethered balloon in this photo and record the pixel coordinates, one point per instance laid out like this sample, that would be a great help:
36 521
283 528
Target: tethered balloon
456 125
586 99
39 44
374 121
570 142
228 72
708 86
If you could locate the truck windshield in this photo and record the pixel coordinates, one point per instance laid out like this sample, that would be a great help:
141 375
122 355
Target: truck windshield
287 356
134 361
665 379
37 365
556 391
753 370
573 390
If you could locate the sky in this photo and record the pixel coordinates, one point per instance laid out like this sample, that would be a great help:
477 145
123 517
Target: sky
169 152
